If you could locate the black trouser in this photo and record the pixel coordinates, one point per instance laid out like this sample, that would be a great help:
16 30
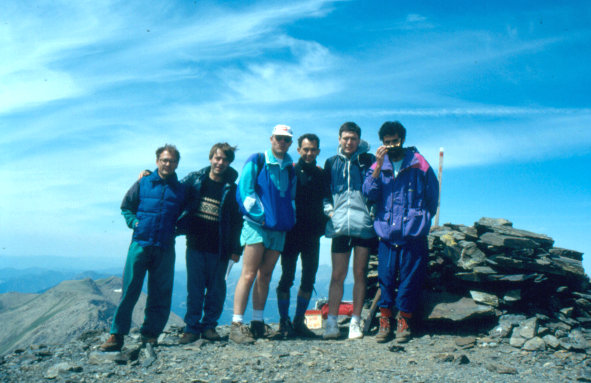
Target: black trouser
308 247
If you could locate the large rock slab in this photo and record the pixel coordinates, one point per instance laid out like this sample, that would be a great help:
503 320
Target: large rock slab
560 252
470 256
504 227
446 306
507 241
485 298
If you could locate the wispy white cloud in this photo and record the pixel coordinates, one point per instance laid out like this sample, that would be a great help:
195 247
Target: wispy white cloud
283 81
533 138
83 47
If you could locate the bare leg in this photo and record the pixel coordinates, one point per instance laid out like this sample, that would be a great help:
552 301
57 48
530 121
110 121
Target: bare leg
253 256
360 259
264 274
340 266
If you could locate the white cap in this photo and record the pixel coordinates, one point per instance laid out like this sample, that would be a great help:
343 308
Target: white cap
282 130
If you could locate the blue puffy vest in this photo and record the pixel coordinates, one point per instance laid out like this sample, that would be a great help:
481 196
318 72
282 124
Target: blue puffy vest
160 204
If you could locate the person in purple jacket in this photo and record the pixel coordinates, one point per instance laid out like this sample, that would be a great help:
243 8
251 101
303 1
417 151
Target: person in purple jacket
404 187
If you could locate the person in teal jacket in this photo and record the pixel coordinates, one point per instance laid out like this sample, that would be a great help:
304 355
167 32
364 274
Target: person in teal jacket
266 197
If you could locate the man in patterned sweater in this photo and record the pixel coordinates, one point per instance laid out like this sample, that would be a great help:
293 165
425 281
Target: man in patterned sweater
212 224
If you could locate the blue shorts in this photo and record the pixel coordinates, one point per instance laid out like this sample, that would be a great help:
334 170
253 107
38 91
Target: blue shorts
253 233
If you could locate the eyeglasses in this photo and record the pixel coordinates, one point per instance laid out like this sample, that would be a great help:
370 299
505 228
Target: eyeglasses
167 161
283 138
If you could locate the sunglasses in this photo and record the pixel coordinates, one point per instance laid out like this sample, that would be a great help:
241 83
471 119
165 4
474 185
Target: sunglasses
283 138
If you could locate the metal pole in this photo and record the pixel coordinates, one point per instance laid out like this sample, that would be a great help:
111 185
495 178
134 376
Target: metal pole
436 222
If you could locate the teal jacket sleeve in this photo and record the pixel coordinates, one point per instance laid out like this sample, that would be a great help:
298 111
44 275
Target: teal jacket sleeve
130 218
130 204
246 187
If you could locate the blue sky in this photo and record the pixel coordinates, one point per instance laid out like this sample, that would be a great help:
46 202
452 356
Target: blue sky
88 91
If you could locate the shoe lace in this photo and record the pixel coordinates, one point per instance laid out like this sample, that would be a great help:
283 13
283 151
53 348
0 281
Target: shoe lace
384 323
245 330
402 324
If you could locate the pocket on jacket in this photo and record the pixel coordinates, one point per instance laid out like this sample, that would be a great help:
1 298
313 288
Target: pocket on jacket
416 223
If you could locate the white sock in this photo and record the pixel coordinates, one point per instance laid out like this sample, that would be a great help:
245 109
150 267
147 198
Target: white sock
237 318
331 318
257 315
355 318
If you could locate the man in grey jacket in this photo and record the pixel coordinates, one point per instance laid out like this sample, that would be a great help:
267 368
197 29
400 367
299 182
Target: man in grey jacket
350 225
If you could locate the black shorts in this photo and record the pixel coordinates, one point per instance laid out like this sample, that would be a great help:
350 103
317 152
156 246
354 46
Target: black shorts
344 244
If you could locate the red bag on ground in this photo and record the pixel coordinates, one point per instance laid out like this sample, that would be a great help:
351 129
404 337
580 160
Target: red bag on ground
345 308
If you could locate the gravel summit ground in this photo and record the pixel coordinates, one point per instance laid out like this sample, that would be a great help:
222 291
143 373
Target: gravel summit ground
426 358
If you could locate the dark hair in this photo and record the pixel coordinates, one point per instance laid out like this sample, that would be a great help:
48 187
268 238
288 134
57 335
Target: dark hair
310 137
390 128
170 149
225 148
350 127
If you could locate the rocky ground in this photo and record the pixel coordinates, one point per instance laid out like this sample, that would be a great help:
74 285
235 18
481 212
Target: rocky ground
500 305
429 357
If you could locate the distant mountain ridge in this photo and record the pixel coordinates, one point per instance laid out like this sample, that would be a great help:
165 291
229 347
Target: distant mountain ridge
39 305
38 279
63 312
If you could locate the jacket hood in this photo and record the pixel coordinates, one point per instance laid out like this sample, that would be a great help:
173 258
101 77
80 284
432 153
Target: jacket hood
363 148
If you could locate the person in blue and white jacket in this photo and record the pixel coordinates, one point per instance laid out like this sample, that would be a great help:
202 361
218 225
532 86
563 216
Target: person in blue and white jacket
266 197
350 225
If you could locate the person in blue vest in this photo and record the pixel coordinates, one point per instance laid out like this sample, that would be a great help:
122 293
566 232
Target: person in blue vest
212 223
265 195
151 208
406 192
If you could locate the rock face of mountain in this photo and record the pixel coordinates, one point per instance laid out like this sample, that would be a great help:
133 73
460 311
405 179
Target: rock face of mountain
62 313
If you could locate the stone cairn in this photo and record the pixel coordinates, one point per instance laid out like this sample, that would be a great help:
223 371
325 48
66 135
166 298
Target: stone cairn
512 283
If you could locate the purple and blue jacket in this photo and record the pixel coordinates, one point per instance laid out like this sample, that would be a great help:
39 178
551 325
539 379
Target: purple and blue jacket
406 203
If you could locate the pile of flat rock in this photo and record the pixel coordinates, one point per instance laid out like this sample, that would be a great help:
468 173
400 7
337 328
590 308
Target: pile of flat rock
510 282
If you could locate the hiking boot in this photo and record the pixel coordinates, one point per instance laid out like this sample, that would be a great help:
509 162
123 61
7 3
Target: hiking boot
385 334
261 330
188 337
286 328
331 330
300 329
211 334
114 343
241 334
355 329
147 339
403 333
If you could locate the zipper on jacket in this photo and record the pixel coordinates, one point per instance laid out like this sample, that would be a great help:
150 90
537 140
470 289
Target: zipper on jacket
349 198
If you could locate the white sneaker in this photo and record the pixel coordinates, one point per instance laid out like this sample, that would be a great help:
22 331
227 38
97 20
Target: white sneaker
331 330
355 330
